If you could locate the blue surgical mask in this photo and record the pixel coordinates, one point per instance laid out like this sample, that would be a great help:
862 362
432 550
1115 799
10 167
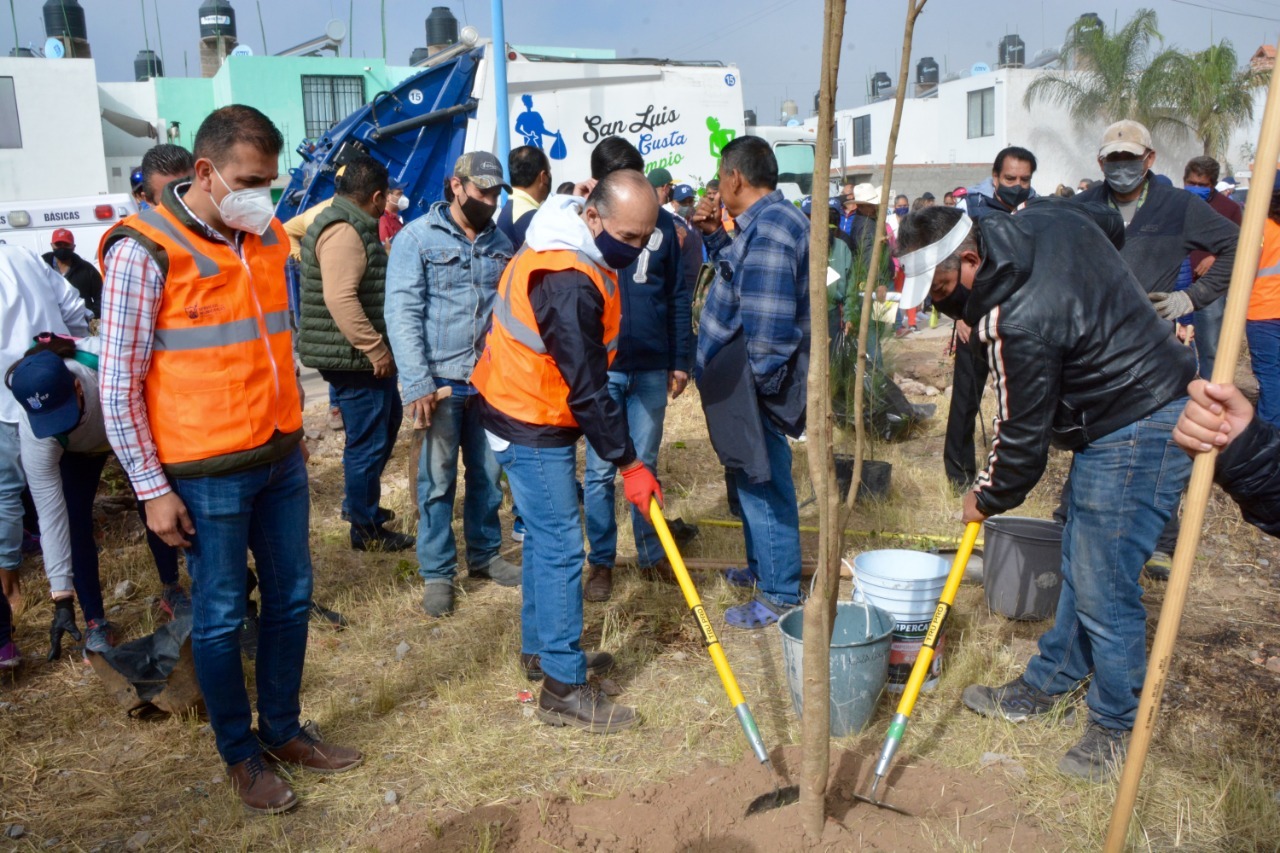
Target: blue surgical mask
616 254
1203 192
902 211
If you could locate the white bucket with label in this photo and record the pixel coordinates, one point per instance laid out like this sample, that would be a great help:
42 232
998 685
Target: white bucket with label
908 584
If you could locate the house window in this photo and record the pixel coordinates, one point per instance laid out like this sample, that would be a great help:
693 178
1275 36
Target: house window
10 132
329 99
982 113
861 135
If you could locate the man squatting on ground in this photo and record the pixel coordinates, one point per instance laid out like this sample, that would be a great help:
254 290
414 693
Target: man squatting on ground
1081 361
205 416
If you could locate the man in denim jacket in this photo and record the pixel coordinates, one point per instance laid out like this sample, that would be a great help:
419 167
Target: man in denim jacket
441 280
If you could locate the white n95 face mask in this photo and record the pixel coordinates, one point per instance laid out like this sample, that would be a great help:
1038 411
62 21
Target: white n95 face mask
403 202
248 210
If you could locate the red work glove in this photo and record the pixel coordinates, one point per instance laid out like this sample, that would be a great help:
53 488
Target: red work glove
639 485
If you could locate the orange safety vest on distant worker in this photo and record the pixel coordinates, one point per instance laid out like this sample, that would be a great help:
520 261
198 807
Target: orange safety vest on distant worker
515 374
221 380
1264 299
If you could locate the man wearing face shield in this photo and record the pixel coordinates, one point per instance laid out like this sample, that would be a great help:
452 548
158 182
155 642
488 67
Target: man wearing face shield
440 288
544 383
204 414
1081 363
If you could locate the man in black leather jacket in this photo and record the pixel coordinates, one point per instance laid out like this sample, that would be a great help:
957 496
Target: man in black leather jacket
1081 362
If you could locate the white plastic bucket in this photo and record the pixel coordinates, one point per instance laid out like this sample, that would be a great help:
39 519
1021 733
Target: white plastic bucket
908 584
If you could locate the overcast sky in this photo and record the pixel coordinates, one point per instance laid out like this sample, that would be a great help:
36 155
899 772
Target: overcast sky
775 43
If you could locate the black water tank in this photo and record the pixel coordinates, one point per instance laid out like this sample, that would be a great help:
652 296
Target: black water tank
419 54
65 18
147 65
442 27
1089 22
1013 51
217 18
749 118
927 71
880 83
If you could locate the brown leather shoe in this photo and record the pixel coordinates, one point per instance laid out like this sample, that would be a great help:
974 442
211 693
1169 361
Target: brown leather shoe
315 755
583 707
261 790
598 663
660 572
599 583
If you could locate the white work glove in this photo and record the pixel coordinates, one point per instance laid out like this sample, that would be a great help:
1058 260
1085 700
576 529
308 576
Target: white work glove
1171 306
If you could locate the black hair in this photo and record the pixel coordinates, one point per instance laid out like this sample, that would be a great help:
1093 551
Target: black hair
751 157
1274 211
1016 153
565 189
525 163
948 195
225 126
59 345
614 153
1205 167
605 194
900 196
363 177
928 226
713 184
833 216
167 159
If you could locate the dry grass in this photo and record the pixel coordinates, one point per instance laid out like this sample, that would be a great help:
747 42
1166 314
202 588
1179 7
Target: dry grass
443 729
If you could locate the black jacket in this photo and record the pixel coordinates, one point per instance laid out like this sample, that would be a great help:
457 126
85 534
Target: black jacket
1169 225
83 276
1075 348
1249 471
657 316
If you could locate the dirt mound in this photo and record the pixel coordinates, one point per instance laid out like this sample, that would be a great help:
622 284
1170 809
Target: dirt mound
705 811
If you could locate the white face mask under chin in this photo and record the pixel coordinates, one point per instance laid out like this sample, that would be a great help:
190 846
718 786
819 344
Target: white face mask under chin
248 210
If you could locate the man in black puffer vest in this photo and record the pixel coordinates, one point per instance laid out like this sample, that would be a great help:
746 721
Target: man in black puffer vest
343 336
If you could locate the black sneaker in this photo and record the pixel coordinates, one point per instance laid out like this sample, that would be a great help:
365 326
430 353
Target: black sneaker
1016 701
1098 755
380 539
382 516
332 618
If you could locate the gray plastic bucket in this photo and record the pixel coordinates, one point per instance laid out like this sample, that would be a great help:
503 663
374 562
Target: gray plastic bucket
859 662
1022 566
908 584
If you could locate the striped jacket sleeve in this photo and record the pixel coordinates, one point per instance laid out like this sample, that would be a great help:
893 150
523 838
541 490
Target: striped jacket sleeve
1027 376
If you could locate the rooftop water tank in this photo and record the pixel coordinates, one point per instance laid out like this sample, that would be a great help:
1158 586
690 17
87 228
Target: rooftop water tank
419 54
217 18
1089 22
1013 51
442 29
880 84
147 65
65 18
927 71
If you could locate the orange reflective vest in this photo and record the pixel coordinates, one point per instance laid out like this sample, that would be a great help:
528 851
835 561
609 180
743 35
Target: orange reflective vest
515 373
221 380
1264 299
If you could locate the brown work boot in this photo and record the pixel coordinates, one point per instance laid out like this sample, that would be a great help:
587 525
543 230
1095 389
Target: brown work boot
261 790
315 755
598 663
599 583
582 706
660 572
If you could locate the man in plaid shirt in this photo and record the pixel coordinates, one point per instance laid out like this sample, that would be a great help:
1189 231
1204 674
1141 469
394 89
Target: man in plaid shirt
761 294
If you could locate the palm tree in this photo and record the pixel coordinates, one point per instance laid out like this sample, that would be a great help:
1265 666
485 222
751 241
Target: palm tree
1106 80
1203 93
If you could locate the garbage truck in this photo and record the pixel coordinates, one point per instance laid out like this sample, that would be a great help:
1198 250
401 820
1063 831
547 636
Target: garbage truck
678 114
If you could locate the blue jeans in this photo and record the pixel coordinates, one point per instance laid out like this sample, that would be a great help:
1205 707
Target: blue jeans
771 523
542 481
371 416
1124 486
455 426
1208 325
1264 356
643 396
264 510
12 482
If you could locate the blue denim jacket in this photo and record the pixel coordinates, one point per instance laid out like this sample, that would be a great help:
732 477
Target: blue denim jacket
440 291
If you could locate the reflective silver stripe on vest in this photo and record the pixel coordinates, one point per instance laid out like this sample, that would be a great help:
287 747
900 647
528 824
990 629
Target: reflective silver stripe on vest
205 265
523 332
280 321
1269 271
269 238
207 337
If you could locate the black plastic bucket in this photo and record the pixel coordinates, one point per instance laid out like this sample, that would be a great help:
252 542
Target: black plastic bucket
876 478
1022 566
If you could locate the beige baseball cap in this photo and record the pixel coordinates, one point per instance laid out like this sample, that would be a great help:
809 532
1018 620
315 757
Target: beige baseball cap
1128 136
482 169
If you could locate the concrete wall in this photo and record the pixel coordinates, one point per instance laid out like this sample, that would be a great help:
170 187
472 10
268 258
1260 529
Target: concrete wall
62 146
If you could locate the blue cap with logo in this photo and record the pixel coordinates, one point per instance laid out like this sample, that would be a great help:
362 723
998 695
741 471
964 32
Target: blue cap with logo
47 391
682 192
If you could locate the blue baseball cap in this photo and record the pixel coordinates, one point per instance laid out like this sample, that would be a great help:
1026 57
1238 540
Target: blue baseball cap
806 205
47 391
682 192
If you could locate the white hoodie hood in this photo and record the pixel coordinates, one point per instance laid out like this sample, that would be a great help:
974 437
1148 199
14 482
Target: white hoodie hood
558 225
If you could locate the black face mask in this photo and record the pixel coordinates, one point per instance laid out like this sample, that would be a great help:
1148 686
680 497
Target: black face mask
953 305
477 212
1011 197
64 254
616 254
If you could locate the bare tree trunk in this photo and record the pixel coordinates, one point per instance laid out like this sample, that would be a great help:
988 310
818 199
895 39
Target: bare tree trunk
914 7
818 614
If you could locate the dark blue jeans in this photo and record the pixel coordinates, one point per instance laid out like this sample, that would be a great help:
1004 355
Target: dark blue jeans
1124 486
542 481
1208 325
771 523
371 414
1264 356
264 510
643 396
455 426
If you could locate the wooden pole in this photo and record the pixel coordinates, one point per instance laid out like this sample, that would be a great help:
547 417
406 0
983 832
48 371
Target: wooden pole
914 8
1248 252
819 613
